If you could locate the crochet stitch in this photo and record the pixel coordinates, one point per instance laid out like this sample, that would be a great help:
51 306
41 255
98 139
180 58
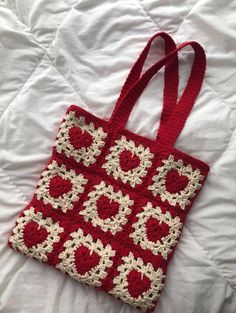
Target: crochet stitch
110 205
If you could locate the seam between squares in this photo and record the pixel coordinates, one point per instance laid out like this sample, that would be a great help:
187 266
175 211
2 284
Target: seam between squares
20 193
206 252
45 53
210 258
77 92
222 100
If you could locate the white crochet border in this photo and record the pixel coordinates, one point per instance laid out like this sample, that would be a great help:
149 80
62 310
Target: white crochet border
40 250
133 176
93 276
85 154
182 197
65 201
120 290
164 245
114 223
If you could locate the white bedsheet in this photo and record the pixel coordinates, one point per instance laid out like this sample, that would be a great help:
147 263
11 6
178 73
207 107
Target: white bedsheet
54 53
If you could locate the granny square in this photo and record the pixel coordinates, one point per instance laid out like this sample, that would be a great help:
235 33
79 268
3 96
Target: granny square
110 205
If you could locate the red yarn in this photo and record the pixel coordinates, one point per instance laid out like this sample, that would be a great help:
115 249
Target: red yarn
156 229
110 205
79 138
34 234
58 186
128 161
84 260
137 283
106 207
175 181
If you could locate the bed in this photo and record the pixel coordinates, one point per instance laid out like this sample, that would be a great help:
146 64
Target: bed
55 53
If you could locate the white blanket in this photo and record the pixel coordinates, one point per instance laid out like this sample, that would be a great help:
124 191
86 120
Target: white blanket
55 53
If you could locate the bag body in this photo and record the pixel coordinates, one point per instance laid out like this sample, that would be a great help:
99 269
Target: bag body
110 205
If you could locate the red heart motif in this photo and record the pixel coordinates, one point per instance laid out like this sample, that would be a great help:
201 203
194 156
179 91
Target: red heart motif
137 283
58 186
175 182
128 161
34 234
79 138
156 230
84 261
107 207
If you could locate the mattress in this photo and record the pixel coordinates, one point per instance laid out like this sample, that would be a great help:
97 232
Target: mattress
55 53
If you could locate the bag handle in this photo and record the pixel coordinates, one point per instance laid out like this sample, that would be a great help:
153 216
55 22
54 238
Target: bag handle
171 77
176 122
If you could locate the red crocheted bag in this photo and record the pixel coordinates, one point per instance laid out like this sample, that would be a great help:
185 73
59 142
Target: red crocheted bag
110 205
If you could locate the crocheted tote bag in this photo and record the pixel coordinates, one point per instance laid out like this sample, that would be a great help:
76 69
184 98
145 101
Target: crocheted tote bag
110 205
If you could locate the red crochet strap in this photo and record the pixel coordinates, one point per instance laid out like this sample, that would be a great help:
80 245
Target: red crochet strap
171 77
182 109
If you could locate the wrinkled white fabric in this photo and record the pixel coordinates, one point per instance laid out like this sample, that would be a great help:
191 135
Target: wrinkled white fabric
55 53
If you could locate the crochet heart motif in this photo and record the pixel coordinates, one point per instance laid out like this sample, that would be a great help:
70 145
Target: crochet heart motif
79 138
156 230
107 207
137 283
176 182
84 260
34 234
58 186
128 161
